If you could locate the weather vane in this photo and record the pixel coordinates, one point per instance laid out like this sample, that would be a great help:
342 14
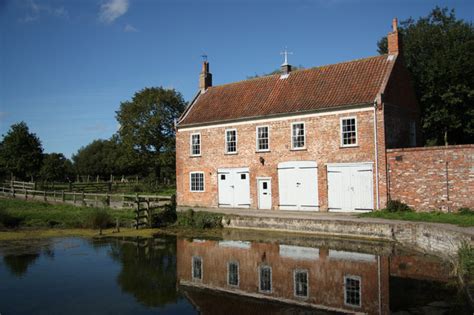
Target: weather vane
204 57
285 53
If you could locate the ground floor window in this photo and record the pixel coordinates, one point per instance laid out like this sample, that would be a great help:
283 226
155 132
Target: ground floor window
233 273
265 278
352 290
301 283
197 268
196 181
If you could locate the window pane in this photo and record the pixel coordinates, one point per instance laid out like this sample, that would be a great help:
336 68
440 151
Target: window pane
262 138
265 279
197 182
197 268
233 273
349 132
298 136
231 141
352 294
196 144
301 283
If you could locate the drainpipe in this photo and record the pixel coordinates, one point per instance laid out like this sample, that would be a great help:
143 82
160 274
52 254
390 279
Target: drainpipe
376 157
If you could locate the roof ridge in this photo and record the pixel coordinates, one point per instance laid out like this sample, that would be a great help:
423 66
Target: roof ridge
297 70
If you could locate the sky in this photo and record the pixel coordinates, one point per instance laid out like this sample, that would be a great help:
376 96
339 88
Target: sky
66 65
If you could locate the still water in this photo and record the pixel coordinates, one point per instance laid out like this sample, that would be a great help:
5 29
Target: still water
233 274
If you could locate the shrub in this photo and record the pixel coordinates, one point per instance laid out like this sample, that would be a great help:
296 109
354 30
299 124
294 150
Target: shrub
397 206
465 211
167 216
466 262
100 219
199 220
8 220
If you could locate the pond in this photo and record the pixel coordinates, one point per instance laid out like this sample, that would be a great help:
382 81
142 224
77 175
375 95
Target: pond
233 274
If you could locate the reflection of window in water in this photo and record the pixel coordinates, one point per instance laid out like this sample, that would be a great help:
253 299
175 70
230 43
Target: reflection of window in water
301 283
352 290
197 268
265 276
233 273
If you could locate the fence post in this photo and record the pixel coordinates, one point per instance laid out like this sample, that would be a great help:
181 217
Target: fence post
54 194
74 197
44 195
70 186
83 198
107 199
63 197
26 194
13 191
137 200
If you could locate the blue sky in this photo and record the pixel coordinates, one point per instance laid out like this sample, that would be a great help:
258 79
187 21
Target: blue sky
65 66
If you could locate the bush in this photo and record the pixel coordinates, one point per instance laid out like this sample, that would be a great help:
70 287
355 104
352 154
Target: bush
466 262
397 206
167 216
465 211
100 219
199 220
8 220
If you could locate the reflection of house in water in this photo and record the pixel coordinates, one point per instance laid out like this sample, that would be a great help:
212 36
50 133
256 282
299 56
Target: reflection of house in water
328 279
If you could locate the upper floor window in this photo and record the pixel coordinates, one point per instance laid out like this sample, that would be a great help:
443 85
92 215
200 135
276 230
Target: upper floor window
298 135
352 290
263 143
231 141
196 181
196 144
301 283
197 268
233 273
348 132
265 278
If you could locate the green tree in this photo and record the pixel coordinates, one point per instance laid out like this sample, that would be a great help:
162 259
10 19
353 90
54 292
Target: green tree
21 153
56 167
439 51
147 128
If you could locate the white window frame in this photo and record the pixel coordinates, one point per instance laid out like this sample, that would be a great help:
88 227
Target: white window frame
304 135
341 134
238 273
192 268
256 138
259 279
191 143
203 182
358 278
307 283
236 141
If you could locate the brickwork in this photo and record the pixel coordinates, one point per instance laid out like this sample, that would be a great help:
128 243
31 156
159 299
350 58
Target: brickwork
432 178
323 145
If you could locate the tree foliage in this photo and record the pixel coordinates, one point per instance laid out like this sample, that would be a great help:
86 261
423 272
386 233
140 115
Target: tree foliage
21 153
439 51
56 167
147 127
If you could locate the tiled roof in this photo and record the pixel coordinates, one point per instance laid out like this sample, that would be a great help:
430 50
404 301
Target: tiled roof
343 84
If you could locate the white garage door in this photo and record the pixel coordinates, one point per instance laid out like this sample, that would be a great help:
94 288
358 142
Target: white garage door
350 187
298 185
234 187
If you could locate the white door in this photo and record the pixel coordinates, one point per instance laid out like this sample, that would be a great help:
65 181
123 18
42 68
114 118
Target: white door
298 185
264 193
350 187
234 187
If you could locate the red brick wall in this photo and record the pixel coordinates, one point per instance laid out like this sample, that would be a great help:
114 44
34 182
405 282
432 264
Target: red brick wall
432 178
322 146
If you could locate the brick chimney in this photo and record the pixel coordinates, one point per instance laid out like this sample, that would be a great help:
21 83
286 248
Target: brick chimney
205 78
394 39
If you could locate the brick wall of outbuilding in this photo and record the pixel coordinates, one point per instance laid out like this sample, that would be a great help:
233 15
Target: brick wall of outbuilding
432 178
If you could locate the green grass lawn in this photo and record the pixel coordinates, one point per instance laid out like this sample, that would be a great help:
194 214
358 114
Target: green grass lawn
40 214
438 217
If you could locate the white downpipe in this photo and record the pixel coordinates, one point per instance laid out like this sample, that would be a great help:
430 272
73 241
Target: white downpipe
376 158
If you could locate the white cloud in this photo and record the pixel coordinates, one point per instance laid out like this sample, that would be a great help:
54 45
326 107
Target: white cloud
35 10
130 28
110 10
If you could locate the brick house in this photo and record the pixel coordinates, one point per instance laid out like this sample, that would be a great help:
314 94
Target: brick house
305 140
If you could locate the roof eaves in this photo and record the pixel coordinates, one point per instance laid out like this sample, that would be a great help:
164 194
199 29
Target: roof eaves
383 86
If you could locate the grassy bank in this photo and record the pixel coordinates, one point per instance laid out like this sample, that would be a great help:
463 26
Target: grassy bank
461 219
34 214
